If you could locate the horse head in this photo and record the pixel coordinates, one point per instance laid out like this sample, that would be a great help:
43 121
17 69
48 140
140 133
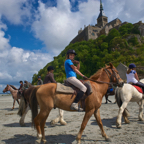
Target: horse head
6 89
114 75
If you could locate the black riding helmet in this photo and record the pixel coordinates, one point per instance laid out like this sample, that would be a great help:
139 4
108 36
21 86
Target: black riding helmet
50 68
71 51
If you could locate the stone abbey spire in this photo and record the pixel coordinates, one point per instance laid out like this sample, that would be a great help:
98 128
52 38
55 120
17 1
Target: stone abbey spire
102 19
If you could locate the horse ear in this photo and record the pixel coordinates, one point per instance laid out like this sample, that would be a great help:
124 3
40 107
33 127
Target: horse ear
105 65
111 65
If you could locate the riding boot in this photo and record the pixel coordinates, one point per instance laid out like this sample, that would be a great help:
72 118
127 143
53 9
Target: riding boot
74 105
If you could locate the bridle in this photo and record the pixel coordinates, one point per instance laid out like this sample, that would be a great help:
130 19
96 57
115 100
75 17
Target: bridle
110 76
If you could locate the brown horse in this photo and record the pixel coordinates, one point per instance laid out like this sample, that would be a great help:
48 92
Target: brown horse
14 92
47 98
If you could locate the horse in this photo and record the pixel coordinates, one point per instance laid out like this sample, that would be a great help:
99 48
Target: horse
47 98
109 94
14 91
124 95
24 107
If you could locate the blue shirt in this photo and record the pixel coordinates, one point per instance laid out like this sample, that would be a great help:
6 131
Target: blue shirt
69 71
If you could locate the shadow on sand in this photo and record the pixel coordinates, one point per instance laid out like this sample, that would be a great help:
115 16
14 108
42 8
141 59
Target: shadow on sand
51 139
107 122
9 109
17 125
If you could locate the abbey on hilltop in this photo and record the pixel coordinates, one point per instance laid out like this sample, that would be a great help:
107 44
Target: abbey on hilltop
102 27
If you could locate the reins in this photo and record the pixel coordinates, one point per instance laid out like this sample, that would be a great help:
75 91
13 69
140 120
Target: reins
109 74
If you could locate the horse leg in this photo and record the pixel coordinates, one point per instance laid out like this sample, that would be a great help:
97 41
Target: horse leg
56 120
98 119
141 110
39 122
13 105
23 116
62 121
119 117
42 124
17 101
83 125
106 96
125 116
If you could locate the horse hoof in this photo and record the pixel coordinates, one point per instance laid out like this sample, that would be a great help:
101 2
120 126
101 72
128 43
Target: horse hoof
44 141
52 123
79 142
45 126
108 139
141 119
63 123
22 125
38 141
127 122
118 126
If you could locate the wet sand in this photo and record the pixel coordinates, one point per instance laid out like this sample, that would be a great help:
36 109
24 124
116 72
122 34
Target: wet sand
12 133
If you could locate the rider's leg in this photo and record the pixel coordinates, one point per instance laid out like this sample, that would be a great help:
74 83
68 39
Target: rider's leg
83 89
141 85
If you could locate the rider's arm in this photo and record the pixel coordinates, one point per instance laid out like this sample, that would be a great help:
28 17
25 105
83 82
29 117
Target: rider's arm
76 70
76 62
136 76
51 76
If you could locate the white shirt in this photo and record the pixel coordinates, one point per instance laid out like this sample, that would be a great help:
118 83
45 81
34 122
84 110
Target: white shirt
131 77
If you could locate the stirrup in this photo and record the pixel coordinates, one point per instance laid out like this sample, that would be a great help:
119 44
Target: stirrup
80 109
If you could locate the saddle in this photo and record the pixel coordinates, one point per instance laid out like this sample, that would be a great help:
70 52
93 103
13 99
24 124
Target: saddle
71 89
137 87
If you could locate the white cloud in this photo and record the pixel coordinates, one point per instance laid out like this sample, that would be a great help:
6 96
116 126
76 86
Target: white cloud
18 64
57 26
15 10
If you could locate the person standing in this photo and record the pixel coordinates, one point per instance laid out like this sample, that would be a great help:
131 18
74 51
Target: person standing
40 82
49 78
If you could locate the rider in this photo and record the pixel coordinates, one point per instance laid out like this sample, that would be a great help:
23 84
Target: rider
21 85
40 82
132 76
49 78
71 71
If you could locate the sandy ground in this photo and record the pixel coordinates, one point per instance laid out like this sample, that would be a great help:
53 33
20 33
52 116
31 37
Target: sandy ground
12 133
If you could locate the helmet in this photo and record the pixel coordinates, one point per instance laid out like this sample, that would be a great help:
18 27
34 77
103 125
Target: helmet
71 51
50 68
39 76
20 81
132 65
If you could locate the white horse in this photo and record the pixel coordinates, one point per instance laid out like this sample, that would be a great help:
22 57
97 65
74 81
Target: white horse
124 95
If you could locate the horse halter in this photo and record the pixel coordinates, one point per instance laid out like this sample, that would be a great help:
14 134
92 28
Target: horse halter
111 75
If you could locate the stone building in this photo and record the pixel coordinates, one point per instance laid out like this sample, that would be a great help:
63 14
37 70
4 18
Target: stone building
102 27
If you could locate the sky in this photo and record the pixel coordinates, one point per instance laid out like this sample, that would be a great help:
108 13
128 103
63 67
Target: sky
32 32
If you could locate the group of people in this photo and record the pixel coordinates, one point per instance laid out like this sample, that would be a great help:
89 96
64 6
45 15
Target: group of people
72 68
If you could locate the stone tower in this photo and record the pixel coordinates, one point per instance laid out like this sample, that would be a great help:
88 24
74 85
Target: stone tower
102 19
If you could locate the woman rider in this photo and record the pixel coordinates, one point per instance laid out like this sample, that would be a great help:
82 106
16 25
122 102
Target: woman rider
71 71
132 76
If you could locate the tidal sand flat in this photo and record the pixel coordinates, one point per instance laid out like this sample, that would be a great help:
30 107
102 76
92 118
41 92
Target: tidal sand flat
12 133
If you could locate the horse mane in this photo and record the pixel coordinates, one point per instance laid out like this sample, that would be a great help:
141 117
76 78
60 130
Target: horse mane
97 74
13 87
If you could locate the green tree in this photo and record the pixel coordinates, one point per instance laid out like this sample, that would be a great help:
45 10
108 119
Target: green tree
126 29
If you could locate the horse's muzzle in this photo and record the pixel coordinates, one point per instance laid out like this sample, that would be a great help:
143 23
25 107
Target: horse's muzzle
120 84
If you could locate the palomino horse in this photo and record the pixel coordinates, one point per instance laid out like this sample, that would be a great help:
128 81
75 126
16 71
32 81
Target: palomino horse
47 98
14 92
124 95
24 107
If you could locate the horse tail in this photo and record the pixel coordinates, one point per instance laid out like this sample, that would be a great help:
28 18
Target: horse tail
22 105
118 93
118 97
34 104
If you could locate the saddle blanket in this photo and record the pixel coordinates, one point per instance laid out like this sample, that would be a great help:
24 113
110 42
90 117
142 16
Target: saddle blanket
138 88
61 88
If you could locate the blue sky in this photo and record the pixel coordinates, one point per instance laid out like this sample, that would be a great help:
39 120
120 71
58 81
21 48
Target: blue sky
32 32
